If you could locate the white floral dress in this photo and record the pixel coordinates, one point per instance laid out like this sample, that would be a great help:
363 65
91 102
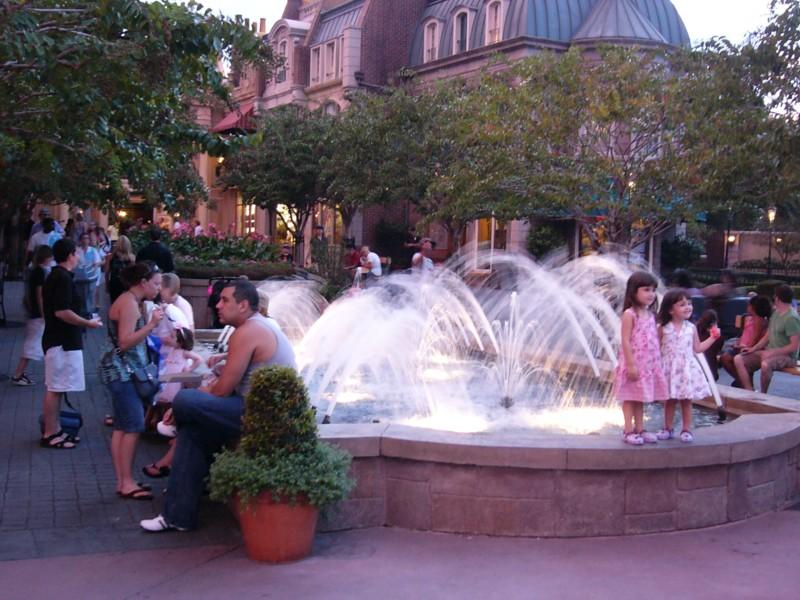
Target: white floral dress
685 378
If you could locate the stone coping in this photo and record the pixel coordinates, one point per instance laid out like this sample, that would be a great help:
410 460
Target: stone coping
747 438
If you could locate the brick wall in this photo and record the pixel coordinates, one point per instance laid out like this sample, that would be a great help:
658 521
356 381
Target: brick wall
389 27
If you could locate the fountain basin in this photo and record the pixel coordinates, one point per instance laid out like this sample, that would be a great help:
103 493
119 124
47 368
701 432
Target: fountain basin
554 485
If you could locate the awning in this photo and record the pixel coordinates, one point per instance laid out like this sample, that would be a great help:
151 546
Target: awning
241 118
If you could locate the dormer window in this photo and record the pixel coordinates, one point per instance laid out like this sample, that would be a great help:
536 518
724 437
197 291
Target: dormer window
461 32
431 42
280 76
325 62
494 22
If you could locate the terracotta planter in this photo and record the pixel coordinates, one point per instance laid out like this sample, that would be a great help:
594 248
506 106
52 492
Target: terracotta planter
276 532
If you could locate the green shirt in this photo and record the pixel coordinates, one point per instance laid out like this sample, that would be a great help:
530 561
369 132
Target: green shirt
781 328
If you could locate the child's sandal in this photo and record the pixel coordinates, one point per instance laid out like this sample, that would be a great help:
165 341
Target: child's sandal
665 434
686 436
649 438
634 439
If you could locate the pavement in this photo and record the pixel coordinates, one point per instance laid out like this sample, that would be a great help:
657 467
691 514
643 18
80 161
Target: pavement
65 533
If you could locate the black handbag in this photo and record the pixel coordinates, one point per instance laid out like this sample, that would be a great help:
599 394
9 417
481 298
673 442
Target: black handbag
144 379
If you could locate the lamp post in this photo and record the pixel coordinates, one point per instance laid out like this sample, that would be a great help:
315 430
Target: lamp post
771 212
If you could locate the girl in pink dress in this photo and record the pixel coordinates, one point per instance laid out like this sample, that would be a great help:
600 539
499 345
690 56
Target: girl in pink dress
679 344
639 377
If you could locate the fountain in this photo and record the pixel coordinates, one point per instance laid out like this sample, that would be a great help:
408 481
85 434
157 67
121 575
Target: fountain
487 410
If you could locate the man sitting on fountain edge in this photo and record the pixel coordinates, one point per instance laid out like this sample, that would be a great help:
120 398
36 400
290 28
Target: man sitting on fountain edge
208 419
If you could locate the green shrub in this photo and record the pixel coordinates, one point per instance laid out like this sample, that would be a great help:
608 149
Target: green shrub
543 238
255 271
279 450
211 247
277 413
680 253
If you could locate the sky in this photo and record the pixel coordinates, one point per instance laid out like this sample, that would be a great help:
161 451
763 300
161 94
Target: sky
703 18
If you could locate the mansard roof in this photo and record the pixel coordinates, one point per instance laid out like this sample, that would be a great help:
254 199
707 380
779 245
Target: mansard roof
617 20
558 21
333 22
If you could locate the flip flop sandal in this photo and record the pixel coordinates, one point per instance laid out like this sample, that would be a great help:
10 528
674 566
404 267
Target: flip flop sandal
136 494
162 471
57 441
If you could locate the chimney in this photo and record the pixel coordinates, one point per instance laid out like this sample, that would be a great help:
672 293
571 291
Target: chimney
292 10
262 25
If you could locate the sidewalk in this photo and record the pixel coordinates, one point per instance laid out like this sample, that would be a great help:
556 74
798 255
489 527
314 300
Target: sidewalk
63 502
65 533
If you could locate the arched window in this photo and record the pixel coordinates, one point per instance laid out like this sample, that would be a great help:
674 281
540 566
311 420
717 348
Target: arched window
431 41
331 108
461 32
283 53
494 22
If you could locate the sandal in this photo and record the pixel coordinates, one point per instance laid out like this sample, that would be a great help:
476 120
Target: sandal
155 472
634 439
686 436
138 493
649 438
665 434
58 441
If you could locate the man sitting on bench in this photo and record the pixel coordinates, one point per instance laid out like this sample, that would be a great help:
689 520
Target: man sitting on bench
781 341
208 419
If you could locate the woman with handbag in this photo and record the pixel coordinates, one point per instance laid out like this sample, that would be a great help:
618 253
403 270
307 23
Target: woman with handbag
126 369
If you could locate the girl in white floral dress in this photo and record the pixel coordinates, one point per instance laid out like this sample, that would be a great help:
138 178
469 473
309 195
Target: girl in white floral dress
679 344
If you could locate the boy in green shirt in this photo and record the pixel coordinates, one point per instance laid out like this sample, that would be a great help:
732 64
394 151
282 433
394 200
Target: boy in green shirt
781 341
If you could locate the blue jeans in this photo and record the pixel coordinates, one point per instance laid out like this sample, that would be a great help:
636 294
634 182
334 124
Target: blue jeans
205 424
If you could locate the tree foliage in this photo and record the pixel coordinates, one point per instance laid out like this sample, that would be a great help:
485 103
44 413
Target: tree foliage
98 97
281 164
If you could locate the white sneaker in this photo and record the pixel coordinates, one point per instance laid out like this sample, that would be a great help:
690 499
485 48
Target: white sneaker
169 431
159 524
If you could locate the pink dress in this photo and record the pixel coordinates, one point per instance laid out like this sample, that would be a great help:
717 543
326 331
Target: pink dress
651 384
174 362
685 379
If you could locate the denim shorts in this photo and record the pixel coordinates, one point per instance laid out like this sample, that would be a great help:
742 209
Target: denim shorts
128 407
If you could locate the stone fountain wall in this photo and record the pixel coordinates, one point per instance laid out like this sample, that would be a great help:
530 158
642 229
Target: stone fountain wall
566 486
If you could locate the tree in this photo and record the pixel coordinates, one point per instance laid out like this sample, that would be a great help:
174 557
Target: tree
627 143
281 165
99 93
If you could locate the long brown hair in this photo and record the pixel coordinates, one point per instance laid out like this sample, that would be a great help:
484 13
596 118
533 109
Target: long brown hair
639 279
123 250
670 299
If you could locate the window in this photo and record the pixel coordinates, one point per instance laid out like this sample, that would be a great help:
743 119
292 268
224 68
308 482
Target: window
331 108
431 42
331 61
461 32
315 65
494 22
246 218
280 77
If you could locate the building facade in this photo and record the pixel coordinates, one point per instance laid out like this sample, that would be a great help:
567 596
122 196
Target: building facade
335 48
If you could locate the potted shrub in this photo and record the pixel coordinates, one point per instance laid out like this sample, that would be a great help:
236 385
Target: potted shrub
281 474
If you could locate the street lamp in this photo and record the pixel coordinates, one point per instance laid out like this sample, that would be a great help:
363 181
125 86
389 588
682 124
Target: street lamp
771 212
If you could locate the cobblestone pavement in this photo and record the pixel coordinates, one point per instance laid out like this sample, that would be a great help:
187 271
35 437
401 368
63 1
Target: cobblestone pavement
63 502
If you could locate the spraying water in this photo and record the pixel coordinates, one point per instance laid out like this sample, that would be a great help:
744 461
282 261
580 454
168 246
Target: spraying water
527 344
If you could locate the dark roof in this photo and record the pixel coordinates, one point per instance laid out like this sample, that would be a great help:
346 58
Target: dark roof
332 23
613 20
557 21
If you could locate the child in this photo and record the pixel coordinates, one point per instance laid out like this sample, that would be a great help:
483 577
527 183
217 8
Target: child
170 294
34 327
178 358
679 344
759 310
639 377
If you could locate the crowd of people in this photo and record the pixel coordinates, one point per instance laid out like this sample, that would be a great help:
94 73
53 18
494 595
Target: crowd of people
659 347
150 325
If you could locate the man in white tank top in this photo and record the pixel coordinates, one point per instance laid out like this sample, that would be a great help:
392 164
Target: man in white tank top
208 419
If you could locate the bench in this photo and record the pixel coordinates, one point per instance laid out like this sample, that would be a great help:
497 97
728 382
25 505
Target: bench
795 370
